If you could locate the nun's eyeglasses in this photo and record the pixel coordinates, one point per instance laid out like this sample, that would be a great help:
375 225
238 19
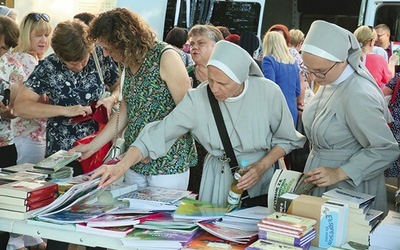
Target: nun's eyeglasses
319 75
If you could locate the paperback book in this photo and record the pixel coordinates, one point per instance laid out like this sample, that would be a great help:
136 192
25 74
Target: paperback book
7 177
156 195
352 198
234 235
143 238
285 181
118 232
193 210
207 241
117 220
58 160
333 224
291 240
65 172
271 245
289 221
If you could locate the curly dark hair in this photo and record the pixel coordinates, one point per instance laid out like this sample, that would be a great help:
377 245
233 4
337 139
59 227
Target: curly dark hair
124 31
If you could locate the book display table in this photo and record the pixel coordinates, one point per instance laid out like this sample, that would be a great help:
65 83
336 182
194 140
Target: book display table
60 234
66 234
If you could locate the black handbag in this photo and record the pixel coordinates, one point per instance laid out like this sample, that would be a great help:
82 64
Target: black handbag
245 199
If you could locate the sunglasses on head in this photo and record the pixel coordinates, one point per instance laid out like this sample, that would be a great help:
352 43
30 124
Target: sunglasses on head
38 16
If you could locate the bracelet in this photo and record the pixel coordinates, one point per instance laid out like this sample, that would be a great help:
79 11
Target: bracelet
299 109
115 98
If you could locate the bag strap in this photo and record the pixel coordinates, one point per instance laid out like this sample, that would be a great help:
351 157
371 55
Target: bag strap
219 120
97 63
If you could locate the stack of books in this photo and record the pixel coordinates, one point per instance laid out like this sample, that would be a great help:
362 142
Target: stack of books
286 229
114 225
30 169
8 176
207 241
361 218
155 198
243 219
158 239
19 200
386 234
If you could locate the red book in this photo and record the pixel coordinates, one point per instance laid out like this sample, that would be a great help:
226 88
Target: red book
26 201
27 207
28 188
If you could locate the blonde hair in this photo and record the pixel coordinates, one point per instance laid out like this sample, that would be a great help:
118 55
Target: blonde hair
296 37
27 26
274 44
364 35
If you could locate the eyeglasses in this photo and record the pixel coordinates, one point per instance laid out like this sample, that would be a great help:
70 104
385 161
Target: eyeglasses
319 75
37 16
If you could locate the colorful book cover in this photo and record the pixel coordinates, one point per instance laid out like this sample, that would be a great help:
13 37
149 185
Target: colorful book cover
157 195
116 220
207 241
151 238
190 209
333 224
58 160
235 235
78 213
353 198
28 188
289 221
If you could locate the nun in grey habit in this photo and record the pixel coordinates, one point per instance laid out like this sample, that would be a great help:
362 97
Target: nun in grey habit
256 116
346 121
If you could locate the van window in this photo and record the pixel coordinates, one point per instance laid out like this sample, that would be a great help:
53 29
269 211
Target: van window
236 16
389 14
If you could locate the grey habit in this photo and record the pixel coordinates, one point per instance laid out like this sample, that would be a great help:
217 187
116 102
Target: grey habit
346 121
256 121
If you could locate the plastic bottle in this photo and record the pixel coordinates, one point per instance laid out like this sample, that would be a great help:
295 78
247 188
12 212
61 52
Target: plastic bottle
235 193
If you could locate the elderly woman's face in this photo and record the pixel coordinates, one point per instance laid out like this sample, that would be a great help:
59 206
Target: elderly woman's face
78 65
201 48
321 70
222 85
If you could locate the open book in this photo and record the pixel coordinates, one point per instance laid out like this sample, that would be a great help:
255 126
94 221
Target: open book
284 181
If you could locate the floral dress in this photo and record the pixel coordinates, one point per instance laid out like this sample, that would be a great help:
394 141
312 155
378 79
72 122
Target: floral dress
394 169
35 129
10 72
148 99
65 87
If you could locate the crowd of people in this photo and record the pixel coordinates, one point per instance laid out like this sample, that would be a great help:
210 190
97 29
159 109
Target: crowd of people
164 91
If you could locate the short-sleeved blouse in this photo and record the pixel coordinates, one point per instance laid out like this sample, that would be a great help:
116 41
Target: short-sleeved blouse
35 129
65 87
11 72
148 99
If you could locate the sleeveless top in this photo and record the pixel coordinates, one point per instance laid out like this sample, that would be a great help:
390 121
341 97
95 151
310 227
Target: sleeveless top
148 99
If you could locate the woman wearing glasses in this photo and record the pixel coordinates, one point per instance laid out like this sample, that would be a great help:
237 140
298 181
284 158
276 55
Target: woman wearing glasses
346 121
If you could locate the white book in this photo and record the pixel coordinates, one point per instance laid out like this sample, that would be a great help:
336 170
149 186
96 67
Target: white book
353 198
255 213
